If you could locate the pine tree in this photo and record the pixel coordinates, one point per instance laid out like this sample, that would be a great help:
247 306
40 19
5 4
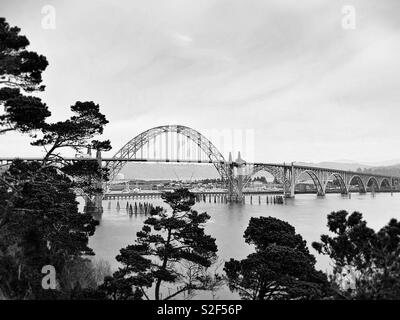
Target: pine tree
172 248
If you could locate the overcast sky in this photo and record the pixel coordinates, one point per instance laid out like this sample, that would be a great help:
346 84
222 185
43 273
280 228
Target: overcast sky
310 89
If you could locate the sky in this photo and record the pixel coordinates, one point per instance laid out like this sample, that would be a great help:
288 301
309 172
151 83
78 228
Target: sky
308 87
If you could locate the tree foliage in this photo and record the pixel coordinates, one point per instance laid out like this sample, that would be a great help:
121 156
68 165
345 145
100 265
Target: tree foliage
266 231
280 268
169 245
368 259
75 132
44 227
39 219
18 66
20 73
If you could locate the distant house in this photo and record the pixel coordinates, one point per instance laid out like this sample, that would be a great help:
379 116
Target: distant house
305 186
332 185
258 184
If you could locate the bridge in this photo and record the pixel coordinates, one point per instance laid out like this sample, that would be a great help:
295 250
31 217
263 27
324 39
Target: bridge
181 144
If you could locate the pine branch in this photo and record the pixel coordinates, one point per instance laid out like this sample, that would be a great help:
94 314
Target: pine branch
187 287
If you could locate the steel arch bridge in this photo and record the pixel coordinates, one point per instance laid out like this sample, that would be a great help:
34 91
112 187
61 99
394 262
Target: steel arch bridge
181 144
235 174
130 150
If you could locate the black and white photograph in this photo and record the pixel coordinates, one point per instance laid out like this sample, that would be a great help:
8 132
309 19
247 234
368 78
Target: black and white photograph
180 151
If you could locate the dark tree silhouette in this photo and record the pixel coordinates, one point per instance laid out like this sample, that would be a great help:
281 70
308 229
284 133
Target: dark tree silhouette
281 267
44 228
75 132
171 247
20 72
369 260
39 219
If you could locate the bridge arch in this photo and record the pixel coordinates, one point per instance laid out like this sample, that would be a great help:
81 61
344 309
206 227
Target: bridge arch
385 181
277 173
338 177
129 150
374 182
315 179
362 187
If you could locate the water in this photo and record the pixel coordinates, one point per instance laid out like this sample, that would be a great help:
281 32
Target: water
307 213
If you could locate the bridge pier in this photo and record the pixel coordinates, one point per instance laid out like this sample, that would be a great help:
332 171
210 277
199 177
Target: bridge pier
292 181
231 181
289 181
95 206
239 180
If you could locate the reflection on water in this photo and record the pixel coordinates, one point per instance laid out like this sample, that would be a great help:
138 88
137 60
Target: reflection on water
307 213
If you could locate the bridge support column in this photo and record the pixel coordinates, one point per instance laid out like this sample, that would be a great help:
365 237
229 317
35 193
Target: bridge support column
231 180
240 175
288 181
236 182
95 206
292 181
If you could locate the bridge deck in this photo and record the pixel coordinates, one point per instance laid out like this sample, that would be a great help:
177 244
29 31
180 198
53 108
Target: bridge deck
141 160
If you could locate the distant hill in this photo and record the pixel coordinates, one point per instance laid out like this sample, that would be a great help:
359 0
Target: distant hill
388 163
387 170
349 166
391 170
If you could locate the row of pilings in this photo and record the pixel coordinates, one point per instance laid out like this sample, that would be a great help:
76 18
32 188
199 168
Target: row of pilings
212 198
132 196
223 198
139 207
135 208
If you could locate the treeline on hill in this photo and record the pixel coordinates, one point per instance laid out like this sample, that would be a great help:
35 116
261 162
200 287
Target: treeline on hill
388 171
41 227
393 170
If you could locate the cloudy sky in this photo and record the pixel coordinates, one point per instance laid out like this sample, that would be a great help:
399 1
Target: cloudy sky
310 89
